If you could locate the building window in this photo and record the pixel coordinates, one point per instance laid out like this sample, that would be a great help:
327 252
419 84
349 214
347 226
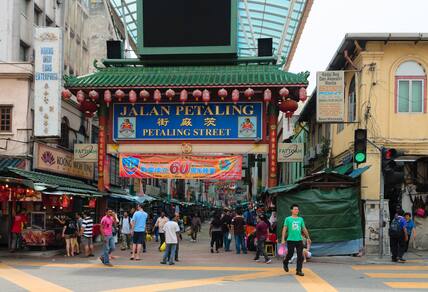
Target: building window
23 52
410 81
352 103
5 118
65 128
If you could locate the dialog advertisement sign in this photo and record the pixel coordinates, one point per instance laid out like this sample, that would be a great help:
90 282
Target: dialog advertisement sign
330 97
189 121
180 167
86 152
290 152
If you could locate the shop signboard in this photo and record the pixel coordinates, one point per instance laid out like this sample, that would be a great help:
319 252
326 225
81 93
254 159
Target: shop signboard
290 152
330 97
60 161
47 81
86 152
180 167
189 121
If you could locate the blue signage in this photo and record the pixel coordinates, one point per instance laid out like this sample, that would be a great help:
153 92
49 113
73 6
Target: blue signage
189 121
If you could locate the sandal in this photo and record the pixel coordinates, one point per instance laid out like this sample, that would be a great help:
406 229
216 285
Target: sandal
131 259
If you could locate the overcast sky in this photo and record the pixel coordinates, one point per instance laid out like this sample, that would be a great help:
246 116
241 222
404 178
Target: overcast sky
330 20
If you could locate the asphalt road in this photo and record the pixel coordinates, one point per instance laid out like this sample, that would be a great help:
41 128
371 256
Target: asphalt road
199 270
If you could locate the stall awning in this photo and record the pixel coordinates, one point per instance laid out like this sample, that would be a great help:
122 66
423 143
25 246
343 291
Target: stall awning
6 162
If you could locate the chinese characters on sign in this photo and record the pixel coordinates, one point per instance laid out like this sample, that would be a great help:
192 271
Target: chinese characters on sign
180 167
290 152
190 121
47 81
330 96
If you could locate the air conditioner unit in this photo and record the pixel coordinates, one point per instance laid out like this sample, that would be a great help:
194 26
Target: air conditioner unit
312 153
319 148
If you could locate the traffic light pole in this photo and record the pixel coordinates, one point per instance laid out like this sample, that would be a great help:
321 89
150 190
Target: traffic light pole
381 200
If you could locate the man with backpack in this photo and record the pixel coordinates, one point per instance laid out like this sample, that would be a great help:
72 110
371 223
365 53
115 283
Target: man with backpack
398 236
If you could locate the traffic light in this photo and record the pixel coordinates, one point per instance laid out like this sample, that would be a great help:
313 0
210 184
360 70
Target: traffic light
393 171
360 146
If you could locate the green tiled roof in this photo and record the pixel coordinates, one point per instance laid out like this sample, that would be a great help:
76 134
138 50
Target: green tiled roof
39 177
190 76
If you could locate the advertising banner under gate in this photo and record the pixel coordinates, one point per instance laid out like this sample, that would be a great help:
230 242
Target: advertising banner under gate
180 167
189 121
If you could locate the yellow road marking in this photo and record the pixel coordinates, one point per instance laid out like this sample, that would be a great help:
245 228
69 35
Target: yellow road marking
397 275
28 281
162 267
314 283
390 268
407 285
200 282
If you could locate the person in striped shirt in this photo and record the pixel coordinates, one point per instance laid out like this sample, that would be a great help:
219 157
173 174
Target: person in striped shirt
86 232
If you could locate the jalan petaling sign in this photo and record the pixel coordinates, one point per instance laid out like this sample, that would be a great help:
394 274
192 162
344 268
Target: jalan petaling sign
189 121
290 152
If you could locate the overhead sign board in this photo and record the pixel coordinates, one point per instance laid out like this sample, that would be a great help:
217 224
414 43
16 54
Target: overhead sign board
190 121
330 97
86 152
290 152
60 161
47 81
180 167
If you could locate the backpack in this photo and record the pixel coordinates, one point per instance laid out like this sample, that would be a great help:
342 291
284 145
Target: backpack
395 230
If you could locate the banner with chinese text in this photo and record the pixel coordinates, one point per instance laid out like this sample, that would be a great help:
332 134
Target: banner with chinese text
189 121
180 167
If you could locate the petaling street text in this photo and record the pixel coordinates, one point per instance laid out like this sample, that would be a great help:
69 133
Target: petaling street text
185 132
186 110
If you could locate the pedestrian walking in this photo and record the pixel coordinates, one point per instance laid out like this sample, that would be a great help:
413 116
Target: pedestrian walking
195 227
226 221
69 234
293 228
410 226
106 230
398 236
261 236
171 232
87 234
238 229
155 229
181 226
138 231
77 240
160 222
216 233
125 231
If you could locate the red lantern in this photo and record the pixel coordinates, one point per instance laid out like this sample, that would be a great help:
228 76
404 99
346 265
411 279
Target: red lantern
222 93
249 92
92 203
107 97
288 106
88 107
65 202
267 95
119 95
66 94
235 95
157 96
132 97
197 94
302 94
183 96
144 94
170 94
206 96
284 93
80 96
93 95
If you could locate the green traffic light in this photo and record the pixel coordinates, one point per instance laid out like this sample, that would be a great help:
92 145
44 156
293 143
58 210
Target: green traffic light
360 157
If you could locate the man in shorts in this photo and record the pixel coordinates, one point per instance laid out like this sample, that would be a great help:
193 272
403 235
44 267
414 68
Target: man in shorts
87 234
138 231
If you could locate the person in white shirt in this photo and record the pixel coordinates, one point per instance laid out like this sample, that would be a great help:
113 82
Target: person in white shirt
125 231
162 220
171 231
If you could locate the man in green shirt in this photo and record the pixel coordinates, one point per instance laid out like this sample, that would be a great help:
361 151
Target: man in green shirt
293 228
